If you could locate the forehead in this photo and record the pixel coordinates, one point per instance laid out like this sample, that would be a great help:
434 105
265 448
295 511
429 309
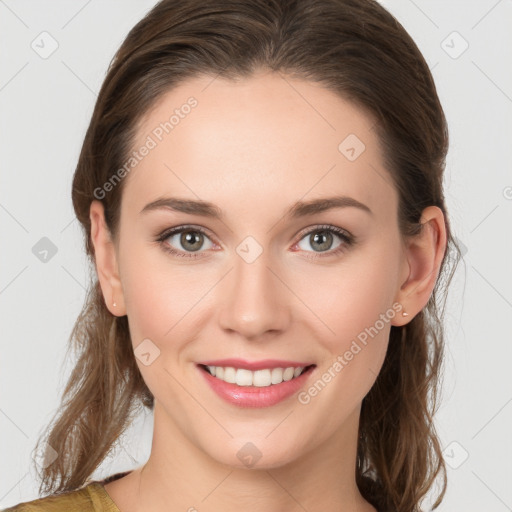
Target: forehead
264 138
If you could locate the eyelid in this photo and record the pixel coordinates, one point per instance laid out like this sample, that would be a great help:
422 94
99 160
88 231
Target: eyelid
319 227
185 227
346 237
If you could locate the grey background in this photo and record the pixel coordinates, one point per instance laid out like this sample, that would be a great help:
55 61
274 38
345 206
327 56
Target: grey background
46 105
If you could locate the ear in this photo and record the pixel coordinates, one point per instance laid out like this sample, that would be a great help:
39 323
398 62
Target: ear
423 257
106 260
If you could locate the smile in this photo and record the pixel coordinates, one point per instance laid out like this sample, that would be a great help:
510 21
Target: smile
261 387
259 378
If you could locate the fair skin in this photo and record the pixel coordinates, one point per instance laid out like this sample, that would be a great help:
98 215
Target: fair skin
254 148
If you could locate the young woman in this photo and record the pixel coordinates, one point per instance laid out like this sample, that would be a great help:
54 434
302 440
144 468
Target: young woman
260 189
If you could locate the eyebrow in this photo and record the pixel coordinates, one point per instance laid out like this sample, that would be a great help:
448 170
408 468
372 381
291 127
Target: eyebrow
297 210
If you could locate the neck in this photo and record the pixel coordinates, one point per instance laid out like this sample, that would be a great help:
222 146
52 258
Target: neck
180 476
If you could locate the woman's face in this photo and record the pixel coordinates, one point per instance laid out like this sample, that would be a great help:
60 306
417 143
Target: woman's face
267 281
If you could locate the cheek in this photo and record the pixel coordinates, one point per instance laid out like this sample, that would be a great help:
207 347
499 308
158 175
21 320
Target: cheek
360 313
159 295
161 305
355 302
352 296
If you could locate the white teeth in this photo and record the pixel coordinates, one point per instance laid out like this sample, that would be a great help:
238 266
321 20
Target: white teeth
277 375
259 378
288 373
229 375
243 377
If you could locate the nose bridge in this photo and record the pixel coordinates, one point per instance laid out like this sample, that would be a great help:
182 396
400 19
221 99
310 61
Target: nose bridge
256 301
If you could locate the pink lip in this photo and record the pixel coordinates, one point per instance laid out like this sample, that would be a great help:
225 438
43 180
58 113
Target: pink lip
254 365
254 396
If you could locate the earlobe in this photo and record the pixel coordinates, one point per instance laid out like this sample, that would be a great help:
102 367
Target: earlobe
106 260
424 254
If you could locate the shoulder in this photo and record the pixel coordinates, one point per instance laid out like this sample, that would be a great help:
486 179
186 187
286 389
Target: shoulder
90 498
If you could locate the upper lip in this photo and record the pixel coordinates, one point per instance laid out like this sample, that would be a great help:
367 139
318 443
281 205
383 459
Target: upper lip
254 365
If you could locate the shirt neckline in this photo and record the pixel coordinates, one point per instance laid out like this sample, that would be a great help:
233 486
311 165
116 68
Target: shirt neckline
107 502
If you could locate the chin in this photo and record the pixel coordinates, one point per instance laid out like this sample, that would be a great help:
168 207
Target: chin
253 455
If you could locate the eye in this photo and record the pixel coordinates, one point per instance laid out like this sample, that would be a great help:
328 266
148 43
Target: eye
189 239
321 239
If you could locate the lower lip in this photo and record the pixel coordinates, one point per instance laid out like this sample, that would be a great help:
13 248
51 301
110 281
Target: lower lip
254 396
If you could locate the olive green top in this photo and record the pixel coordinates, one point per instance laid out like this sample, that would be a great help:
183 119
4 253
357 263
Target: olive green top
90 498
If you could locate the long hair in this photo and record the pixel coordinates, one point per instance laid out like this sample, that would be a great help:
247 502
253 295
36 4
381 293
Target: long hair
355 48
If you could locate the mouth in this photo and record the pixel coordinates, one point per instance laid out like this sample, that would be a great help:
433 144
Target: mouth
269 384
259 378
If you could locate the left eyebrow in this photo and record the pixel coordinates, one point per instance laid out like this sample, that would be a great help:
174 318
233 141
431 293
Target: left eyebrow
297 210
304 208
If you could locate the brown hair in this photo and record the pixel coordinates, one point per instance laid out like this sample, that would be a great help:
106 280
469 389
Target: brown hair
360 51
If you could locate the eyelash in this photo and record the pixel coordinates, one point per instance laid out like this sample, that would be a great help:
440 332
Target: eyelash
347 239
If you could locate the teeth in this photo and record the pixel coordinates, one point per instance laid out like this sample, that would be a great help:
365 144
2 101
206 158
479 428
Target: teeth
259 378
229 375
243 377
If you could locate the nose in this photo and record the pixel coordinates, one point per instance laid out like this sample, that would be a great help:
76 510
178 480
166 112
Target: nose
255 301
